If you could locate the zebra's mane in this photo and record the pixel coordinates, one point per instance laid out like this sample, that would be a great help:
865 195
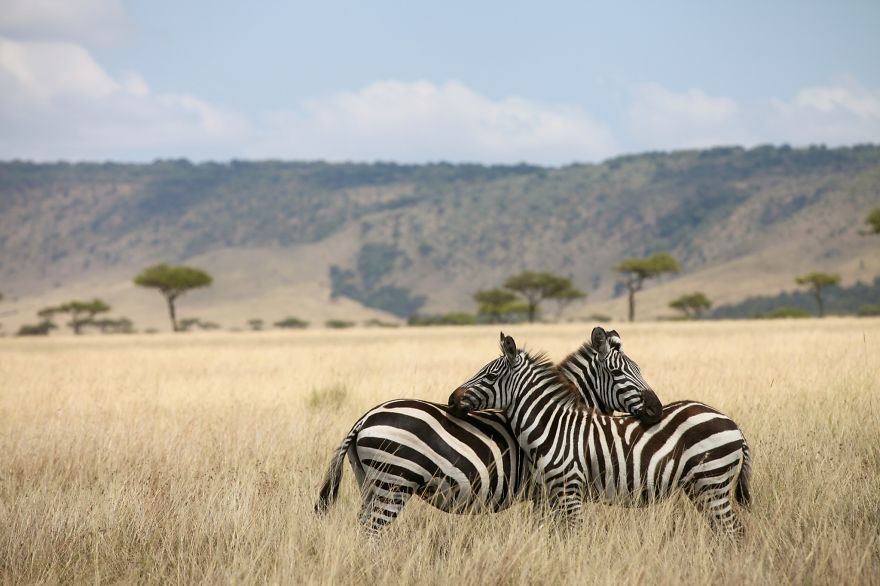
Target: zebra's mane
540 361
586 349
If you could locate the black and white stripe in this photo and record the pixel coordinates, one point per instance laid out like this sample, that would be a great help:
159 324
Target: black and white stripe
578 453
461 464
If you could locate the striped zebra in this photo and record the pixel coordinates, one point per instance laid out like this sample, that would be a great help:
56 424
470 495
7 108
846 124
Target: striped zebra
466 464
581 454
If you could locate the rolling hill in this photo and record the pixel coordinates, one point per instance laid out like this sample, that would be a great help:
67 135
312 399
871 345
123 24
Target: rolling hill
358 241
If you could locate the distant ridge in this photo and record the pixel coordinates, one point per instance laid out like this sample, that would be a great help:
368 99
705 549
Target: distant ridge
406 238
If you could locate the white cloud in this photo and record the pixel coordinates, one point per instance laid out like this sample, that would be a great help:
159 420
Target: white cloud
99 22
658 118
44 71
56 101
422 121
843 113
837 114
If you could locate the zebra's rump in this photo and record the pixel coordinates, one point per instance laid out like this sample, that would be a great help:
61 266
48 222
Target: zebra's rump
692 446
457 464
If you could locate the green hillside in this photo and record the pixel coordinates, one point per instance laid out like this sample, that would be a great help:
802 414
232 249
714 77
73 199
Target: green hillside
406 238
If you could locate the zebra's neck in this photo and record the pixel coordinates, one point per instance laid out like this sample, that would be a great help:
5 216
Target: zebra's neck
541 397
580 368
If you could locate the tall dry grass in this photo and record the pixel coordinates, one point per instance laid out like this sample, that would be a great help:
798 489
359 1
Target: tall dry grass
196 458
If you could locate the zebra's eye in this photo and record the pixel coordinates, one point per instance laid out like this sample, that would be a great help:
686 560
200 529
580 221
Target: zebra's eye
617 373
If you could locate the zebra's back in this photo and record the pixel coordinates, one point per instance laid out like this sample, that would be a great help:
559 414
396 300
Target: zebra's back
457 464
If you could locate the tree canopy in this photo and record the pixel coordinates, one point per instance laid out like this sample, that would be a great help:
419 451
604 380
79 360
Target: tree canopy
873 221
819 280
566 297
691 304
497 304
172 282
650 266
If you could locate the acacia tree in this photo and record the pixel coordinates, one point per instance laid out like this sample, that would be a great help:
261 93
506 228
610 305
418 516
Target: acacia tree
566 297
815 282
691 305
82 313
536 287
172 282
496 304
638 270
873 221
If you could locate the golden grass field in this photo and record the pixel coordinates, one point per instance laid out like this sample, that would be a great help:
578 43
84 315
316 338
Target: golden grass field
197 459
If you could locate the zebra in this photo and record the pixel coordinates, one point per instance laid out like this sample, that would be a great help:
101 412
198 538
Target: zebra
466 464
579 453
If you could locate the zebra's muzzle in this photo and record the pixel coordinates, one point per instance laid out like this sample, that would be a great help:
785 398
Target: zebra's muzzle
652 408
456 406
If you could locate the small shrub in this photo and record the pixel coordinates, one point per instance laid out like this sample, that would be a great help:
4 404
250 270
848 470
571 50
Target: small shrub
598 317
40 329
330 397
189 324
786 312
338 324
378 323
122 325
292 323
459 318
869 310
456 318
424 320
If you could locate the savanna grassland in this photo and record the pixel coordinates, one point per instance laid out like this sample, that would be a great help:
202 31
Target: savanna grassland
197 458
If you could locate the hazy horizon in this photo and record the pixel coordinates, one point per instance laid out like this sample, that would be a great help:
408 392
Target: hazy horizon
228 161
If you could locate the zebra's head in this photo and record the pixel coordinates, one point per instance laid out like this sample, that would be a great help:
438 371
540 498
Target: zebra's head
619 380
485 389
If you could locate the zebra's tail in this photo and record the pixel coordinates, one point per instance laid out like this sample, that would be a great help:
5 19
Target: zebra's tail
330 486
743 489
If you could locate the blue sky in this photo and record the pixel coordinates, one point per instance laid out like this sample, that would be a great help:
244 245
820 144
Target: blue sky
549 82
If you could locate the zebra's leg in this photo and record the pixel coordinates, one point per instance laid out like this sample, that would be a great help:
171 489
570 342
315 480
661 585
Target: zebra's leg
713 496
381 503
566 507
542 514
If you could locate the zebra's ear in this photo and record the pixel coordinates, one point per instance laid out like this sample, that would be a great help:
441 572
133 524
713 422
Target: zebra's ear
614 340
599 341
508 347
